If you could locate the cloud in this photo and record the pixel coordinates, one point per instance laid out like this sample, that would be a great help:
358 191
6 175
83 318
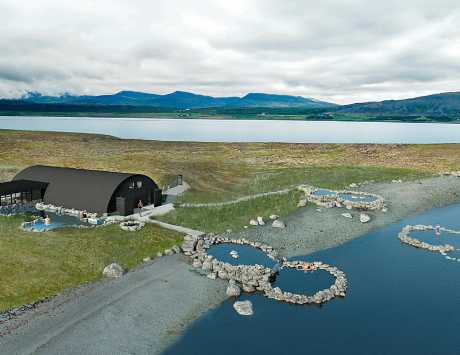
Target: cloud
342 51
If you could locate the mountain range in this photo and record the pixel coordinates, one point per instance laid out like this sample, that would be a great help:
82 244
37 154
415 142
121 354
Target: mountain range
437 105
181 100
433 105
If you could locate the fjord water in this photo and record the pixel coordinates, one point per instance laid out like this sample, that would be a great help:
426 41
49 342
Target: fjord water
401 300
202 130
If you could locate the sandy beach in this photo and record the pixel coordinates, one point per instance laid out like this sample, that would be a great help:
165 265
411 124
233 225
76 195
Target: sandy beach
148 308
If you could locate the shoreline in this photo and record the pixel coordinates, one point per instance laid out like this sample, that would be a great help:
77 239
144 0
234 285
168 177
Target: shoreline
148 309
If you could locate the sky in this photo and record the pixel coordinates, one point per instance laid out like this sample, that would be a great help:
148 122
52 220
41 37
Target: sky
341 51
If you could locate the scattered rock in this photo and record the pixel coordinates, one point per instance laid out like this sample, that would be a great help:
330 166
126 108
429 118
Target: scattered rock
168 252
159 254
212 276
147 259
278 224
243 308
347 215
364 218
176 249
253 222
384 209
274 216
353 185
113 270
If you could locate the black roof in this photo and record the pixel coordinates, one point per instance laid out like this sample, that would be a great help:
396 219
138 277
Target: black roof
77 188
15 186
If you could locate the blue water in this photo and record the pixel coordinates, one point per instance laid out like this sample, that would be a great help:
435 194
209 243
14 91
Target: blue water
202 130
357 198
324 192
301 282
401 300
247 255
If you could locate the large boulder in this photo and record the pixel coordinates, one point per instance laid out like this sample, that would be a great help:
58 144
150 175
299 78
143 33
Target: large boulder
243 308
260 221
347 215
233 290
113 270
253 222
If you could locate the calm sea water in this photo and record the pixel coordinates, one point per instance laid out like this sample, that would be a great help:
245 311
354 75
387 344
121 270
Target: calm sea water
243 130
401 300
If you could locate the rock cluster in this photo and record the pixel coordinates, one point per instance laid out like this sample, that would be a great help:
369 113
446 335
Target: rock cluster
406 239
251 278
132 226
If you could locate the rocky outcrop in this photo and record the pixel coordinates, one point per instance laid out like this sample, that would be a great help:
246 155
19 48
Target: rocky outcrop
243 308
113 271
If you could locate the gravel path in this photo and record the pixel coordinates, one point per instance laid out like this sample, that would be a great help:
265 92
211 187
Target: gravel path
238 200
148 308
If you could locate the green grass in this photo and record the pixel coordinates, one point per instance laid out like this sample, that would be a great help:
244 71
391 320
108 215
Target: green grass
235 217
38 265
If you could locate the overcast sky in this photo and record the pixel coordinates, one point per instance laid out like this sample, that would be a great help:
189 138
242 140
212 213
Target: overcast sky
342 50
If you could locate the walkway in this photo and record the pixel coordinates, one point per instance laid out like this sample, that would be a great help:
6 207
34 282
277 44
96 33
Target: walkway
238 200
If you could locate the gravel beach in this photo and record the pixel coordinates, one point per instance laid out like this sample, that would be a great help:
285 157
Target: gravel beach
149 307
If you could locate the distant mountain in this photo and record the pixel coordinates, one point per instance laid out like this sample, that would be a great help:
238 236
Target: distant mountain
432 105
181 100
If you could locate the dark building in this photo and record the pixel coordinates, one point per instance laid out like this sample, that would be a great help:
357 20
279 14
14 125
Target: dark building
92 190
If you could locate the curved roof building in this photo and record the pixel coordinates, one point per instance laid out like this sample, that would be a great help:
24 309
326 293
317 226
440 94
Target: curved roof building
93 190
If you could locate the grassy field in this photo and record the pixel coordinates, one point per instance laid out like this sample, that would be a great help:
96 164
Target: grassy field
218 171
38 265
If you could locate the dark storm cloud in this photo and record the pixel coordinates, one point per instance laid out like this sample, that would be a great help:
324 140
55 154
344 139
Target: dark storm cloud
354 50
